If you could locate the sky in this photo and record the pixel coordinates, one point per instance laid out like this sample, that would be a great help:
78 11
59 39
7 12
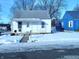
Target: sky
5 14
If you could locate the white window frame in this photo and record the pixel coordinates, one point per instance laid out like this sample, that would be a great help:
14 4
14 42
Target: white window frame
70 24
62 24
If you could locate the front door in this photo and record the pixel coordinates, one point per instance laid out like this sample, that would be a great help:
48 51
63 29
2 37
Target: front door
19 26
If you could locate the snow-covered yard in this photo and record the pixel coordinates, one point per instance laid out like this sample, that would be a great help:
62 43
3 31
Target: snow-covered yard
59 40
56 38
5 39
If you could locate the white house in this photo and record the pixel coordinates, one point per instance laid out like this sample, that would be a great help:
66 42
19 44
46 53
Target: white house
34 21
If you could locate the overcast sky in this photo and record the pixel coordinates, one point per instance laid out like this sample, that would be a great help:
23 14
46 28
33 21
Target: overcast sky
6 5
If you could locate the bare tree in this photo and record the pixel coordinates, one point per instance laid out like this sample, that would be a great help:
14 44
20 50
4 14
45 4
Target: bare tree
76 8
53 6
0 8
23 4
0 11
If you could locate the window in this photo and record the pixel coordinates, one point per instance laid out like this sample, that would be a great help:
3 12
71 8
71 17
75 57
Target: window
19 26
43 24
27 24
19 30
15 31
70 23
62 24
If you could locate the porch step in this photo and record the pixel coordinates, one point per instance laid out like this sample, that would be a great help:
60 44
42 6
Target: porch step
25 38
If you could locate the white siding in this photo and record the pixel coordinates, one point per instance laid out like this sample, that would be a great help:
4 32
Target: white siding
34 28
39 28
14 26
47 26
25 28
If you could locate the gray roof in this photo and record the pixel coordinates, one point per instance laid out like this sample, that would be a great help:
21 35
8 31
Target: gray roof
74 14
42 14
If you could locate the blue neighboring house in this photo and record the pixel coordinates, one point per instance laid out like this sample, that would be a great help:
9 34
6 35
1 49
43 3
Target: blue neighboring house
70 21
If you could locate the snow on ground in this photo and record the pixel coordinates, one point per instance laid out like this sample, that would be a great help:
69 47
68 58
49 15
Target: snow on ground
59 40
28 47
5 39
56 38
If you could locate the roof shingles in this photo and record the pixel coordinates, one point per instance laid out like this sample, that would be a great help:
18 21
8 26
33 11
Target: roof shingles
42 14
74 14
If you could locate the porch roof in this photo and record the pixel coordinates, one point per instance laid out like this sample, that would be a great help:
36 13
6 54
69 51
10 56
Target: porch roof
27 19
32 21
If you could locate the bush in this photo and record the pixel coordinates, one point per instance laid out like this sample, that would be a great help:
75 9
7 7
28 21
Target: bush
12 34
